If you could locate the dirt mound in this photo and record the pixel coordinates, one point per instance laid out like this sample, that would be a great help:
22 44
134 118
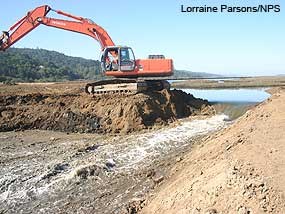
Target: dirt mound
105 113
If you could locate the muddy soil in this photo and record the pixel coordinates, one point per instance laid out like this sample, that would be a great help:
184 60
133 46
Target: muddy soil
100 114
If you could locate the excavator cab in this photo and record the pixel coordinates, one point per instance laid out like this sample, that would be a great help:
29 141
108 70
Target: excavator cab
4 38
117 58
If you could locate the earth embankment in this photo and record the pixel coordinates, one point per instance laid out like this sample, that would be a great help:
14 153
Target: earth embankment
238 170
110 113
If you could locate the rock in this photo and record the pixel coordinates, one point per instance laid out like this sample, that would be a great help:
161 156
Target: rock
211 211
135 205
243 210
87 171
228 147
179 159
110 163
158 178
61 166
150 173
57 168
7 114
240 140
92 147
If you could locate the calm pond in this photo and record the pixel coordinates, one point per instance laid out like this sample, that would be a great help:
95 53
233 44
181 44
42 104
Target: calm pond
232 102
230 95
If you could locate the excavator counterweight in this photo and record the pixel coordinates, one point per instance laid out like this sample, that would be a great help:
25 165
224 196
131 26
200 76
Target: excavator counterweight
116 61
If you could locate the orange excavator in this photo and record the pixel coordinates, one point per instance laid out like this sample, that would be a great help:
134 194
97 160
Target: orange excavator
116 61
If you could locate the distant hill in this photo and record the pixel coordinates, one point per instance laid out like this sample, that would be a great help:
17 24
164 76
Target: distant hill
29 65
182 74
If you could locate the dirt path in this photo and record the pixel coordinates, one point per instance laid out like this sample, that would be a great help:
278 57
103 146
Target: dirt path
239 170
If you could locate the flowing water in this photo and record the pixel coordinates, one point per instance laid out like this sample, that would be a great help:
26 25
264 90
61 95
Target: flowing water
40 175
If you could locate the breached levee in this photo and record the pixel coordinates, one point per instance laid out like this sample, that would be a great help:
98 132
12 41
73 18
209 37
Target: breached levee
117 113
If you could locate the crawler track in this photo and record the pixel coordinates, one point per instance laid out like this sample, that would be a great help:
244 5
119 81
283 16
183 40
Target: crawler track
126 86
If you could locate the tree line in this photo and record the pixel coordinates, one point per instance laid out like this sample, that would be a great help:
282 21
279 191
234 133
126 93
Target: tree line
39 65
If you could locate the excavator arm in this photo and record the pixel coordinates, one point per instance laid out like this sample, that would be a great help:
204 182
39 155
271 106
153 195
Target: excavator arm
116 61
38 16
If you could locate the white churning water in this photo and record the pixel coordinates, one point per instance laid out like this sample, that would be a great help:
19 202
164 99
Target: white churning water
142 149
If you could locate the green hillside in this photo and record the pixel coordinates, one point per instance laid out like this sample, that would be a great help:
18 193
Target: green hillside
30 65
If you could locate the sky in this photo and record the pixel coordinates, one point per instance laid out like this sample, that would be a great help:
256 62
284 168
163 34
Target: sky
221 43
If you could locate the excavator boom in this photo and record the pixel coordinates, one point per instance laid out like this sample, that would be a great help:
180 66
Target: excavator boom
38 16
116 61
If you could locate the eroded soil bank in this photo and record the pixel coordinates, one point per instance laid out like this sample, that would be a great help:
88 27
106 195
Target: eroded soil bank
100 114
238 170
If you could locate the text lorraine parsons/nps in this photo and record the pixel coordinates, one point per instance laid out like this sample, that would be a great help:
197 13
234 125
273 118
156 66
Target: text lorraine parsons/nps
261 8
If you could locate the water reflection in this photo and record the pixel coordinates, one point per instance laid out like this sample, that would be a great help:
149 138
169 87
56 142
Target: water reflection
231 102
